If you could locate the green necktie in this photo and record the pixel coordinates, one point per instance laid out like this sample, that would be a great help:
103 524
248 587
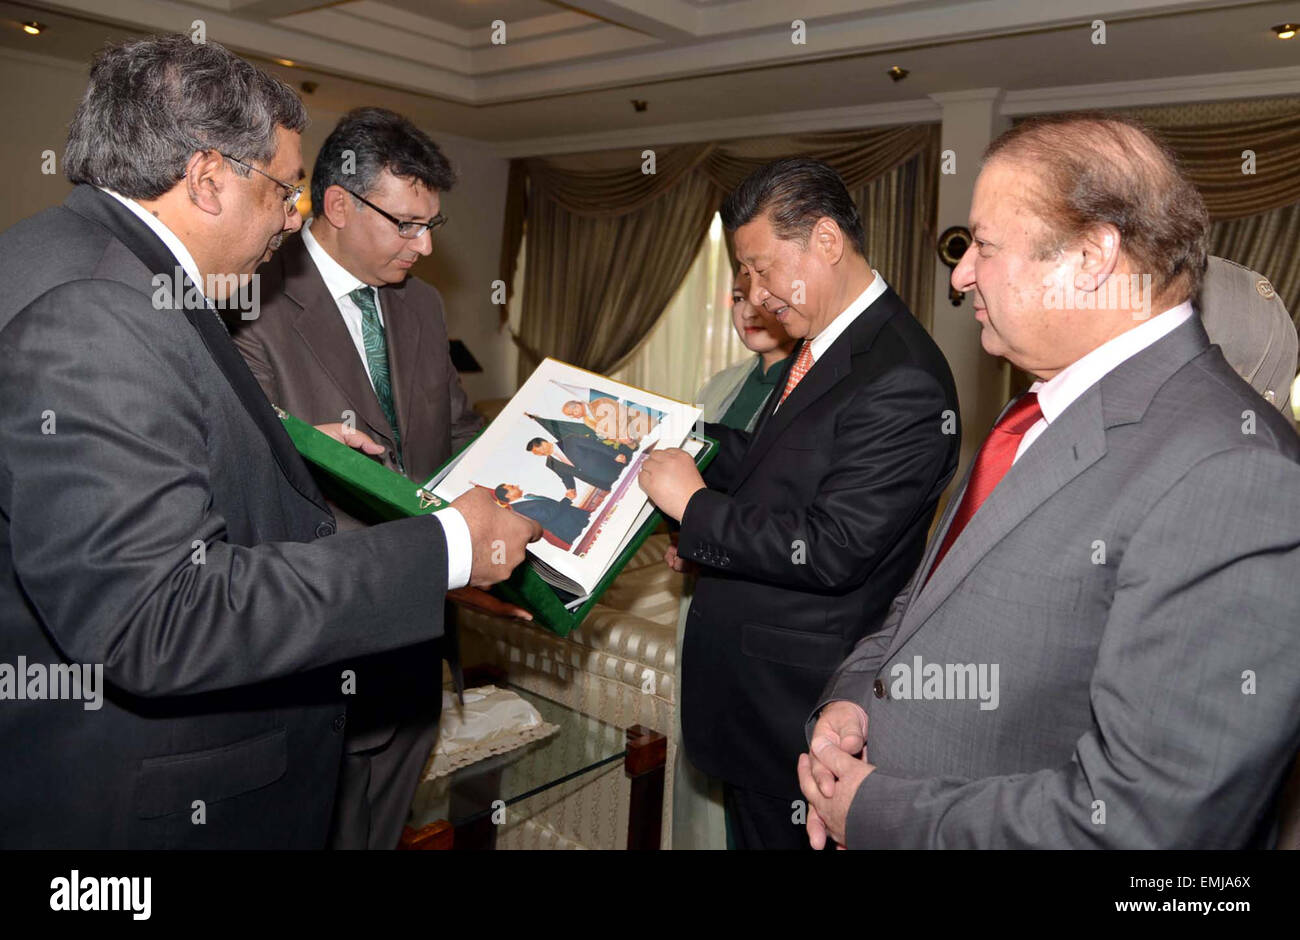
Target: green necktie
372 337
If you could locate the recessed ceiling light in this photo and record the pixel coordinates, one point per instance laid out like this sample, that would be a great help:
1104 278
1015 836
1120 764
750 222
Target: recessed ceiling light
33 28
286 62
1286 30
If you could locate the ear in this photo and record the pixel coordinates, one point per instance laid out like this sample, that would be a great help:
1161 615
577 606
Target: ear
205 180
338 206
1098 256
827 238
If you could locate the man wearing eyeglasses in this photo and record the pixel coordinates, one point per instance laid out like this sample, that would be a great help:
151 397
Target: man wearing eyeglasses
167 556
345 334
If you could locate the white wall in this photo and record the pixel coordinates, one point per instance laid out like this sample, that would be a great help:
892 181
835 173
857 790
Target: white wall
41 94
39 99
466 260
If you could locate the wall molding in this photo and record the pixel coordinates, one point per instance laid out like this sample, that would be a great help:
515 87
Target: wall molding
1184 89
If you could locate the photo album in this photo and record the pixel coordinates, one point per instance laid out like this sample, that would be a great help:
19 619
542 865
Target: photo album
566 452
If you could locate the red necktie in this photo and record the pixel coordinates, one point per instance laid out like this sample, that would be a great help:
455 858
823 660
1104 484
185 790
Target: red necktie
802 363
991 464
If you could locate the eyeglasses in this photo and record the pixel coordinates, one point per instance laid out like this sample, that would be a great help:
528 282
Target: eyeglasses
294 192
404 229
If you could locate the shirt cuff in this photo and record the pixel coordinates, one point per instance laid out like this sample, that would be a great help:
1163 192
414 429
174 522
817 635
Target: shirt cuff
460 547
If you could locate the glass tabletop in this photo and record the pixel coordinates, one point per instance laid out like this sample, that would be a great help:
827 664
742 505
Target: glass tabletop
582 744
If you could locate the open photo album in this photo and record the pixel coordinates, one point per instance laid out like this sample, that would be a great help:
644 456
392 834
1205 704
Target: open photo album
566 452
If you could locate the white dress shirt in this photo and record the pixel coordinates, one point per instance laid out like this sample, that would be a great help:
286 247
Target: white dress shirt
822 341
460 547
340 282
1062 389
174 244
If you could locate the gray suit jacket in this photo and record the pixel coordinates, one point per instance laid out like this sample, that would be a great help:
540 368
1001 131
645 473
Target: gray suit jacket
221 667
1135 578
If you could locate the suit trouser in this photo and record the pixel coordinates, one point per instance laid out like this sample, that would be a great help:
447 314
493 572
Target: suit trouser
376 788
758 821
376 784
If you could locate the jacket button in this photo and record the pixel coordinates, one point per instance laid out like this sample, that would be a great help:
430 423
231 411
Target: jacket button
324 529
340 722
879 688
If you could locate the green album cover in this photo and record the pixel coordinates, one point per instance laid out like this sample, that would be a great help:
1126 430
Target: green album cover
378 494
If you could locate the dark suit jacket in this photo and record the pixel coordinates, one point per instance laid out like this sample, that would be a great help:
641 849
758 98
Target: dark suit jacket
301 353
223 683
303 357
808 529
593 461
558 516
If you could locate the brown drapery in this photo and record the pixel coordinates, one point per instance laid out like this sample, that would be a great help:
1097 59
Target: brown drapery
1210 140
595 286
609 243
899 211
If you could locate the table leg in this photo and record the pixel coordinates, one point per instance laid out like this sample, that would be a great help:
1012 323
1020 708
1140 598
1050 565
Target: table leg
647 756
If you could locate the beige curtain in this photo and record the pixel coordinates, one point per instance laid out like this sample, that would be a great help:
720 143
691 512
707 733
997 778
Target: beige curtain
694 337
899 212
608 242
1215 143
1268 243
594 286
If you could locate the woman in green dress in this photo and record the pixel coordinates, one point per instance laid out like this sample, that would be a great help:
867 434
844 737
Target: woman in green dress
734 397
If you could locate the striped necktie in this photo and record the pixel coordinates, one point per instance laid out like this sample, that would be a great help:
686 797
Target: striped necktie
372 337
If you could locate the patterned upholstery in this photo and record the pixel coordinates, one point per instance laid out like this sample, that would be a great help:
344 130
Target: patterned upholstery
620 667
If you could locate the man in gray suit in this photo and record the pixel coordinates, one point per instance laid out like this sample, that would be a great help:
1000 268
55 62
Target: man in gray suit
160 532
1100 647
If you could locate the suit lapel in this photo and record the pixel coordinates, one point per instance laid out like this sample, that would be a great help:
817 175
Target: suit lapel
770 405
832 368
402 331
320 326
1069 446
106 212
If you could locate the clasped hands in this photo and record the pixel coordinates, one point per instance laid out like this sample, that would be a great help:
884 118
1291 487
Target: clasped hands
830 774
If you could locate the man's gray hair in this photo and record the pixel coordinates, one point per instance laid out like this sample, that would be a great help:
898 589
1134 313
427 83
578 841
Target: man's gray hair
151 103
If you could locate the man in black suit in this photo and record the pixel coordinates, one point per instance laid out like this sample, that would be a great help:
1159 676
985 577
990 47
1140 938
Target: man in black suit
559 517
805 529
156 519
581 457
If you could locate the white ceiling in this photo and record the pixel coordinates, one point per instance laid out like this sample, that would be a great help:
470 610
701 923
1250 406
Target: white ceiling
573 68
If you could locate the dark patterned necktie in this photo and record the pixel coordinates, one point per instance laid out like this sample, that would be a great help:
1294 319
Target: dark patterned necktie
372 337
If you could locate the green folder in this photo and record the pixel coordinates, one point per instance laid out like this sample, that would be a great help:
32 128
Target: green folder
370 491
